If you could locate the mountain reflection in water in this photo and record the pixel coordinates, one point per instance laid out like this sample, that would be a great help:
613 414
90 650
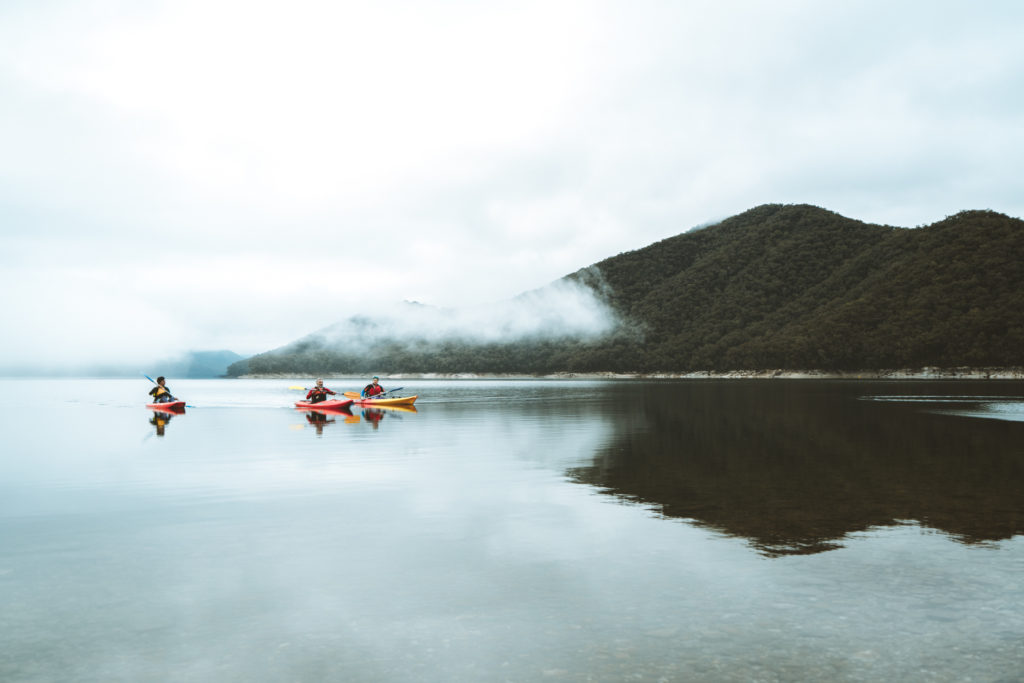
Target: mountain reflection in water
794 467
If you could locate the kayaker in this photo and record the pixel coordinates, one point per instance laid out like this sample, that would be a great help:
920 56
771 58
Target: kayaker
373 388
160 393
318 393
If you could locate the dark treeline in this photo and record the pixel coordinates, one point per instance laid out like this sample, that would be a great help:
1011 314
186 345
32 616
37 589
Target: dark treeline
779 286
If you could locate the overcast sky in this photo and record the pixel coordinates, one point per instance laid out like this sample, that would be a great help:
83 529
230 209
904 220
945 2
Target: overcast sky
206 174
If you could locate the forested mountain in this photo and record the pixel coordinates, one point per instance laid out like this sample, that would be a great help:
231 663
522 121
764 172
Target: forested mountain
779 286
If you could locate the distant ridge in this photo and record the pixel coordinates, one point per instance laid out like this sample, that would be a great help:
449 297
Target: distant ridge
187 365
200 364
778 286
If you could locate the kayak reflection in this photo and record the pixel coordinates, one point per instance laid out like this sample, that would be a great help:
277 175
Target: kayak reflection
318 418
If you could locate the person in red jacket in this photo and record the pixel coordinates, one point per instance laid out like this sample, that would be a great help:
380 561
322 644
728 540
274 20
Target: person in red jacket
373 388
318 393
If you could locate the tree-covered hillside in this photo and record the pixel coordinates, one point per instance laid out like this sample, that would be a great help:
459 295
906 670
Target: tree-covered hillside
779 286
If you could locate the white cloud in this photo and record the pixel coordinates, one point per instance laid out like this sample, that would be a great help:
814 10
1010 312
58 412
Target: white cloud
561 309
286 164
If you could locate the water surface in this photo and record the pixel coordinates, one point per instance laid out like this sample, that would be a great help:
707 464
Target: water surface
514 530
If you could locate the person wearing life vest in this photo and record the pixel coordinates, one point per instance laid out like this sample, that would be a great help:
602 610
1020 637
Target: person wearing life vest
318 393
160 393
373 388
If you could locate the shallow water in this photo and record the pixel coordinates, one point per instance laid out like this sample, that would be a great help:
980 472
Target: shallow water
514 530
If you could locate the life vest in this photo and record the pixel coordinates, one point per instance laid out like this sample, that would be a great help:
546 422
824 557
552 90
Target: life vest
317 394
161 394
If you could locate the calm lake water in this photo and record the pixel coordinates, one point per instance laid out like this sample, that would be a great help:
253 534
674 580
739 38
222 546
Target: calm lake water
755 530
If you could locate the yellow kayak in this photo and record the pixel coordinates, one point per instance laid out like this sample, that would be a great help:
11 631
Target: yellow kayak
399 401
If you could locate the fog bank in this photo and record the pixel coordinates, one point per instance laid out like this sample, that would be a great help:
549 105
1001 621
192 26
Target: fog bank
559 310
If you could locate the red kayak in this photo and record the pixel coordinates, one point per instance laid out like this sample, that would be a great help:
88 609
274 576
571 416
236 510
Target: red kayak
339 404
168 407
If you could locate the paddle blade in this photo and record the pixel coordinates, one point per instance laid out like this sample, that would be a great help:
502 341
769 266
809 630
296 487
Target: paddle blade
351 394
297 387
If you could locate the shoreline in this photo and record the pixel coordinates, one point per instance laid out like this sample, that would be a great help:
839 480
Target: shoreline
926 373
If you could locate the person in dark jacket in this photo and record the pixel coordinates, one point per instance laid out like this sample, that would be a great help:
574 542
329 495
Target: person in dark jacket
318 393
160 393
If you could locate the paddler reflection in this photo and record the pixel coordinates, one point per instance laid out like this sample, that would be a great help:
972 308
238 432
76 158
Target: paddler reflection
376 414
318 420
160 420
373 416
